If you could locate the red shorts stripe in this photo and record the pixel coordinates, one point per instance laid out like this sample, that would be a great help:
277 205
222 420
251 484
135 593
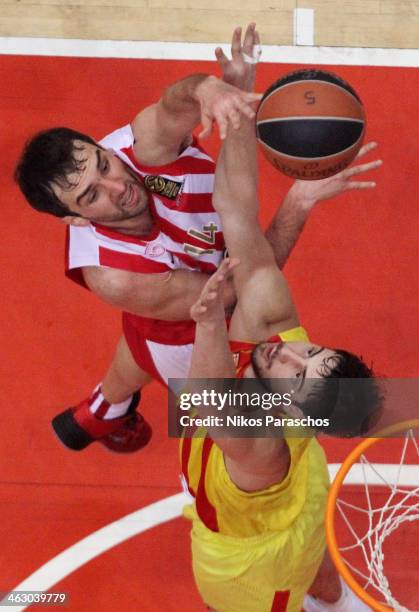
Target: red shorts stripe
280 601
186 452
174 333
139 349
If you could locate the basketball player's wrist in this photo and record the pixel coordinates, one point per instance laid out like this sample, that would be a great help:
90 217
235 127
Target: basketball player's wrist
184 93
204 87
300 198
212 323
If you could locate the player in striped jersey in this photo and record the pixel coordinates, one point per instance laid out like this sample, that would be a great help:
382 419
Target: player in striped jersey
258 529
147 253
142 233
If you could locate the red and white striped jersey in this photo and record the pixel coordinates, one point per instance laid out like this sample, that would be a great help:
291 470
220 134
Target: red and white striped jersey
187 233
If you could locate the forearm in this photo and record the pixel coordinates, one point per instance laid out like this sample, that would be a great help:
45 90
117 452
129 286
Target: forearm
236 201
211 357
167 296
235 190
175 303
162 129
181 99
287 225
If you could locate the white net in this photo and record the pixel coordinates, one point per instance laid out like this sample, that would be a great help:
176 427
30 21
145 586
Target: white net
377 538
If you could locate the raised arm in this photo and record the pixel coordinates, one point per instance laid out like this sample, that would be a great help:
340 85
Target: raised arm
252 463
290 218
264 301
162 129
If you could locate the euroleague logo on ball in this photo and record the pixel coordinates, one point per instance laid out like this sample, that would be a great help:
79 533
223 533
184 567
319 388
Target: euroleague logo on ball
310 124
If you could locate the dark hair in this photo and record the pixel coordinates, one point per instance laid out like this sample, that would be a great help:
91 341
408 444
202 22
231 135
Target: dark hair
352 406
47 158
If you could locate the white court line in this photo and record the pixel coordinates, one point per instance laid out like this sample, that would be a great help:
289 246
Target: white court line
351 56
80 553
57 568
304 26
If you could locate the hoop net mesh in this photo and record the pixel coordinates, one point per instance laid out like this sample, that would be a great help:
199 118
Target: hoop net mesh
388 506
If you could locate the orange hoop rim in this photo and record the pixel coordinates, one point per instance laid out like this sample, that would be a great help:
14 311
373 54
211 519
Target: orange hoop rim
335 488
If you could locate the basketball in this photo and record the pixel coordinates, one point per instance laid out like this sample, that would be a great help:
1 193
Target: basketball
310 124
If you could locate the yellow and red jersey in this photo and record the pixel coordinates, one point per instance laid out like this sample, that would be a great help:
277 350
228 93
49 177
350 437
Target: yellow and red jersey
255 551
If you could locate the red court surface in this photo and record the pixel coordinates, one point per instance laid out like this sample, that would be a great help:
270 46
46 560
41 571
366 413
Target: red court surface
354 277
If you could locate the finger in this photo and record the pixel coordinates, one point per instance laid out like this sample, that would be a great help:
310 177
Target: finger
361 185
366 148
234 118
236 43
245 109
222 124
222 59
216 281
212 291
363 167
210 297
232 266
250 96
233 263
206 125
223 267
249 38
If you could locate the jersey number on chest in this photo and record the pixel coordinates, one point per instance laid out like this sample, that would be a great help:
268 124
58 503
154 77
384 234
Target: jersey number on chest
207 235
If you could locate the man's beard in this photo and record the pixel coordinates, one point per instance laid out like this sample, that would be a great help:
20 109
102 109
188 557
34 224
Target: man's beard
122 214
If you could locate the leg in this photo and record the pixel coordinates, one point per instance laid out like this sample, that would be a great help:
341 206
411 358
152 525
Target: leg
329 593
326 585
124 376
109 415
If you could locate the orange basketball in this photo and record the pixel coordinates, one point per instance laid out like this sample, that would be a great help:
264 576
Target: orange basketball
310 124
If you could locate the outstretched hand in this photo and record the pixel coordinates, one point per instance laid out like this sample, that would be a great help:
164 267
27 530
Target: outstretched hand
312 192
224 104
209 308
240 70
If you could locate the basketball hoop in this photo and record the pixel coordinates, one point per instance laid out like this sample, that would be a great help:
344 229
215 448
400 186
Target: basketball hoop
400 485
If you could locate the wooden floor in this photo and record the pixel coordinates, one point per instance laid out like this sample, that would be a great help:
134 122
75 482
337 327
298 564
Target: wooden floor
344 23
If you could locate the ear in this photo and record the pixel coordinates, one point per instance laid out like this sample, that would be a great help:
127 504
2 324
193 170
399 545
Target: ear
76 221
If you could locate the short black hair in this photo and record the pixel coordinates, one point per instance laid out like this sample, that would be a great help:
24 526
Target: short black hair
352 407
48 158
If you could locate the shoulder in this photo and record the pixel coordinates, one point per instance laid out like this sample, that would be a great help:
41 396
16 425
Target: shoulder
118 139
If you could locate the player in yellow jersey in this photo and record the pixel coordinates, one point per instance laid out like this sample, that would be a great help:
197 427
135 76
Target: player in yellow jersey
258 534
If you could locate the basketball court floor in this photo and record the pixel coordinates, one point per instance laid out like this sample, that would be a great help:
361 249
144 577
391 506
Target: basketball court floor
354 277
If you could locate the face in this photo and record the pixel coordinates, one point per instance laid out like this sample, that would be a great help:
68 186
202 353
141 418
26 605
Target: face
294 361
105 190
